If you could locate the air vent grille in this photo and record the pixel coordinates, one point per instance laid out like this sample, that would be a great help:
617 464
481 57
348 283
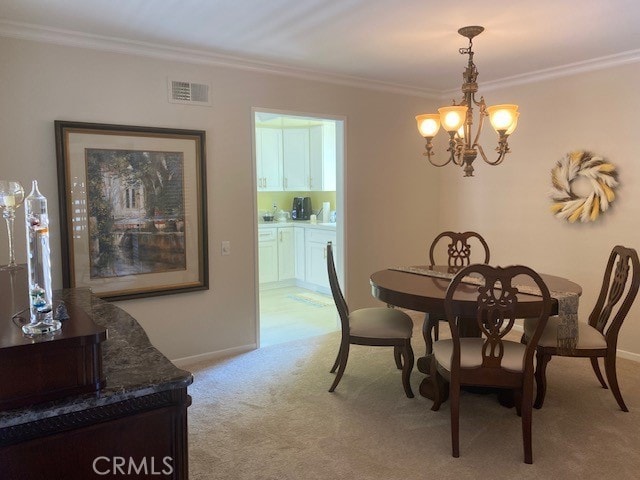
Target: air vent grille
189 93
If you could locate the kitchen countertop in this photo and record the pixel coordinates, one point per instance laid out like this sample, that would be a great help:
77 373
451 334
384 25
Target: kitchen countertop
298 223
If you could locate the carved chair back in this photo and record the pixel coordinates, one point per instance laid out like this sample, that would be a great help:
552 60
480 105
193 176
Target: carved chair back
495 310
620 282
458 248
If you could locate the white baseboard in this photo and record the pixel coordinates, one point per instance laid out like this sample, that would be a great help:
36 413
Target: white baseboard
186 361
635 357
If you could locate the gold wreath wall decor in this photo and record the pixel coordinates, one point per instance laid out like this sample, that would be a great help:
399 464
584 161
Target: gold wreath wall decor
602 177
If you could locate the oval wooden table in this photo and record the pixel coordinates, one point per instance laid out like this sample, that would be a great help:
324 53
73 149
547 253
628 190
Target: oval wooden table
426 294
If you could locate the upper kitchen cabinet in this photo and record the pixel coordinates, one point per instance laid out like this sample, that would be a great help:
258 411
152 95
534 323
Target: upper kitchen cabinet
295 148
269 159
322 157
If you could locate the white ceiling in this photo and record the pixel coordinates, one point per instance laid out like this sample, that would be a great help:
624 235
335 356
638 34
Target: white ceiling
406 44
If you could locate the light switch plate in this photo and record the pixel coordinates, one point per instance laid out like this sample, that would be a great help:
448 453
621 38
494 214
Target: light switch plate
226 247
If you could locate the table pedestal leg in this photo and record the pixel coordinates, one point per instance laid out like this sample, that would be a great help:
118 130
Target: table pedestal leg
432 386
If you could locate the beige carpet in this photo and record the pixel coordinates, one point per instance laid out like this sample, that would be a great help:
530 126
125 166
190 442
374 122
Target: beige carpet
267 415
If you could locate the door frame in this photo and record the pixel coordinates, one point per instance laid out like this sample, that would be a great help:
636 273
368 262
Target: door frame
341 196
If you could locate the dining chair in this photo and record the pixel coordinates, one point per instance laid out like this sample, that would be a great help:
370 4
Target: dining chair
377 326
458 251
489 360
598 337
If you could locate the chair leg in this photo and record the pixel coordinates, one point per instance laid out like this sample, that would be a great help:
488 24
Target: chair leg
596 369
397 355
454 399
612 378
337 362
541 378
344 355
527 394
407 353
517 400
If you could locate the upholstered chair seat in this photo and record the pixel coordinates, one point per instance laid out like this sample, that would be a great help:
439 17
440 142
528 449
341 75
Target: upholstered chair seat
588 337
471 354
380 322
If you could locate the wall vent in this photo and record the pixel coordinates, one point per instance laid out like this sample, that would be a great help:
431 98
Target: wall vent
190 93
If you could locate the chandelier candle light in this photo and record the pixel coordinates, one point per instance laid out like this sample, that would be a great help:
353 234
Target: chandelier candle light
457 119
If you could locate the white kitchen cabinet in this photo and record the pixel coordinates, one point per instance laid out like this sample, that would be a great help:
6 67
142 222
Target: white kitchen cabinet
322 157
298 247
267 255
286 254
269 159
295 157
316 257
276 254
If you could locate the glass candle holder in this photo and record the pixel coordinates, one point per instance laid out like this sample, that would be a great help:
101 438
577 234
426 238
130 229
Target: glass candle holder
11 197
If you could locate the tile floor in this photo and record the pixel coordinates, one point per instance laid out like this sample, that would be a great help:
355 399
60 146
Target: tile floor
286 316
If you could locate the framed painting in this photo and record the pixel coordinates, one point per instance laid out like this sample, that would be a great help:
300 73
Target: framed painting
133 209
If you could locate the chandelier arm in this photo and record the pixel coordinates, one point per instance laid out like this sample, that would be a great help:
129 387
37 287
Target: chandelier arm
480 149
502 149
457 158
480 125
480 103
456 147
429 155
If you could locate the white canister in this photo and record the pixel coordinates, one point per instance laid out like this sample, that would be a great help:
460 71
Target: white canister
313 218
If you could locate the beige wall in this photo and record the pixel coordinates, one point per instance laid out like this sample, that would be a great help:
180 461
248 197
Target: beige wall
395 201
509 204
391 195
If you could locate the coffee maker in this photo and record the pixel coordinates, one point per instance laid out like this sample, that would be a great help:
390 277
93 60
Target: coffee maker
301 208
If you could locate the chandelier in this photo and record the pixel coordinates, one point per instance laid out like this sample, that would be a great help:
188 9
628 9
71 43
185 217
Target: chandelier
457 119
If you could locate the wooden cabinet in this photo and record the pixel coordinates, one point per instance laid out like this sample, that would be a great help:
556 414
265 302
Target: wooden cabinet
269 159
295 159
316 257
322 157
140 414
276 259
34 371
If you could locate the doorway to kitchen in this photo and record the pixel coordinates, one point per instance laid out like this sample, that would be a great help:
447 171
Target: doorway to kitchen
299 163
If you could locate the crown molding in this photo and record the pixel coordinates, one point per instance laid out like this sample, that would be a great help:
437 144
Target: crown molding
600 63
39 33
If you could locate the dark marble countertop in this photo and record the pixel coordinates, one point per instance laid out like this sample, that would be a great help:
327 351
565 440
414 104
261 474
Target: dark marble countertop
132 366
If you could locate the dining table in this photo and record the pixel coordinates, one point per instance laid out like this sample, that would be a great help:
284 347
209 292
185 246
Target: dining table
422 288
